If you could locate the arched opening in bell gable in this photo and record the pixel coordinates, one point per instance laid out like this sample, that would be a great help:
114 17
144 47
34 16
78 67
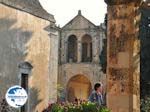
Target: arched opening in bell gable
72 49
86 48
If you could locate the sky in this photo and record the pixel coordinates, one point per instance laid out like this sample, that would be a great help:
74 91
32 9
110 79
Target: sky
65 10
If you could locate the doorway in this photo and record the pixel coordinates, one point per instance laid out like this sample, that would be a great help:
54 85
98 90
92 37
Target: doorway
79 87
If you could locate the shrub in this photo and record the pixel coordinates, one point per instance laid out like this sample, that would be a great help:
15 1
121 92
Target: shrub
57 108
89 107
104 109
76 107
145 104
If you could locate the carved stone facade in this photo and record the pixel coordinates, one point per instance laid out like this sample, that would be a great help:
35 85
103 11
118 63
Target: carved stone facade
81 58
28 33
123 64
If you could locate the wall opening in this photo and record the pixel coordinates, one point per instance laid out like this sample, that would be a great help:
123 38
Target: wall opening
72 49
79 87
86 48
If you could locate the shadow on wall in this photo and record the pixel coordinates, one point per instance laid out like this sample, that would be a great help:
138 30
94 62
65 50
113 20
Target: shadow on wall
34 93
12 51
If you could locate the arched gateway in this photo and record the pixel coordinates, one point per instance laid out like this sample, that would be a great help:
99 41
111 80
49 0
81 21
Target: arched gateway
79 86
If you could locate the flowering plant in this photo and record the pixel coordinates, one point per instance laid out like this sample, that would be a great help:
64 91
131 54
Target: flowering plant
83 106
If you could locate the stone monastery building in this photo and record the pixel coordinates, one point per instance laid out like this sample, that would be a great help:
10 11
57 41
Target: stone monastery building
67 56
80 47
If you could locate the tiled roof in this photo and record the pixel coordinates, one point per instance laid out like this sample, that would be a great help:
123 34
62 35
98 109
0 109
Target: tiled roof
30 6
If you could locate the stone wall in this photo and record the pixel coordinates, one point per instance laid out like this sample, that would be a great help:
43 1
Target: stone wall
123 62
23 38
91 71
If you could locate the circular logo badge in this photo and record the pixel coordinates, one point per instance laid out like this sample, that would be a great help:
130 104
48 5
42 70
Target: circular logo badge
16 96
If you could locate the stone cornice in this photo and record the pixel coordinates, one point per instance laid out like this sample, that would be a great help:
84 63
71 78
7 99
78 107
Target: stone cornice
119 2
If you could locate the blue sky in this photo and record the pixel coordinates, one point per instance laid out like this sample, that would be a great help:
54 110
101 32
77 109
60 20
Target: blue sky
65 10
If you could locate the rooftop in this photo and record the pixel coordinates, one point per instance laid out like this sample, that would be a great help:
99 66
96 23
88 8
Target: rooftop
30 6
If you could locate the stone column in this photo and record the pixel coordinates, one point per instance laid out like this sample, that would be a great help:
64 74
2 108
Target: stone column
96 50
53 65
79 51
123 89
63 49
65 55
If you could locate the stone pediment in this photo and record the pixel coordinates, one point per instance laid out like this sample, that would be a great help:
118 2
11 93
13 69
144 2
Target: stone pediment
79 22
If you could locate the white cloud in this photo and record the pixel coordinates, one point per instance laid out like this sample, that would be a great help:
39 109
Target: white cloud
65 10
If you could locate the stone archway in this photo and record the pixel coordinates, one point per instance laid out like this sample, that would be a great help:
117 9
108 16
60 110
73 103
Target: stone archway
79 86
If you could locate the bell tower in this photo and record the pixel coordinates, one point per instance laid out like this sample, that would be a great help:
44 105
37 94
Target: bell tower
123 60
